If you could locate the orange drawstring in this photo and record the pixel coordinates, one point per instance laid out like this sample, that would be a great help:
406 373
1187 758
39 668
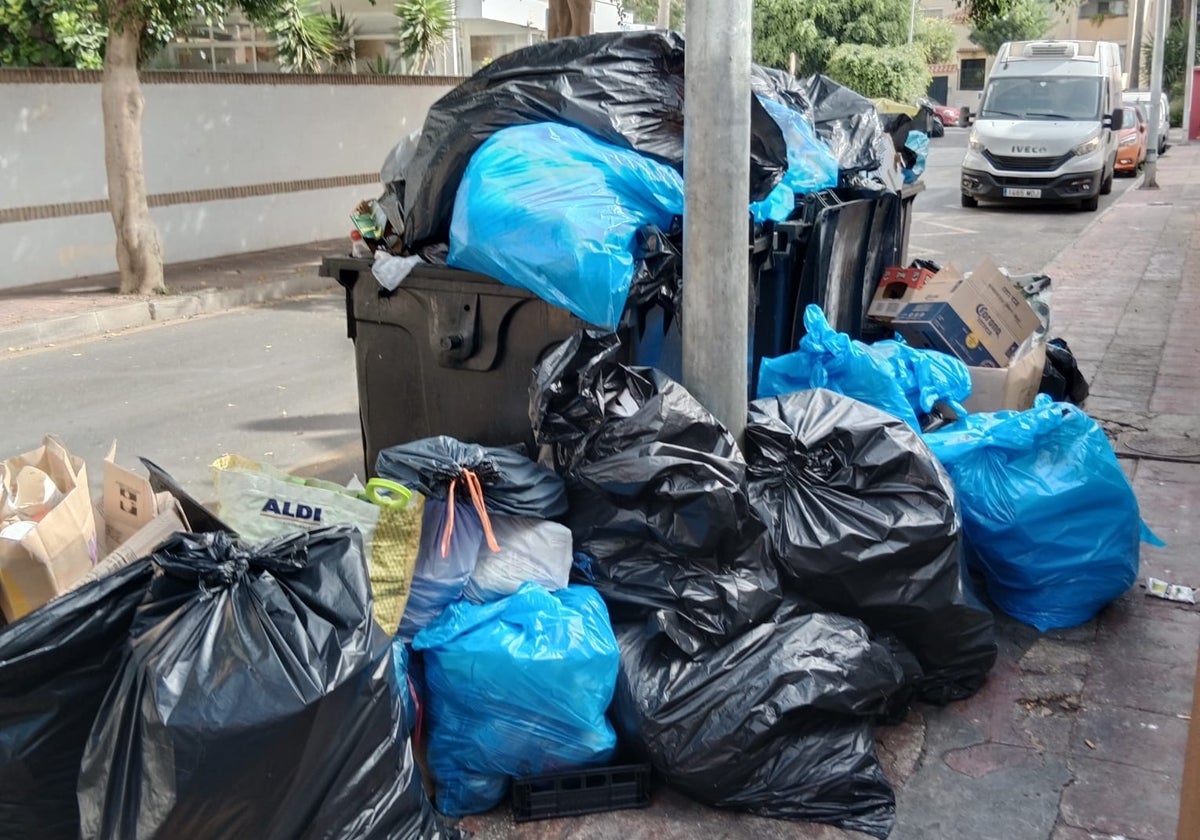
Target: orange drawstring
475 488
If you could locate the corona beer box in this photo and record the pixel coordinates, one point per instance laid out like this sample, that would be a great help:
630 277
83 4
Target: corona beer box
982 320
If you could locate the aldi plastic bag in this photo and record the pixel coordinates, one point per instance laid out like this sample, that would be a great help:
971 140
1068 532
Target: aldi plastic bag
516 687
863 522
584 198
1048 512
261 502
531 551
257 699
55 665
449 548
662 524
777 721
902 380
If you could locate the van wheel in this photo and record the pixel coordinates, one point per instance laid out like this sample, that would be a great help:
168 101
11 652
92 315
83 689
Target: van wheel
969 201
1090 205
1106 183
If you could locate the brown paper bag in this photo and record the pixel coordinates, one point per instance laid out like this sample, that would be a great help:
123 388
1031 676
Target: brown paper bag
61 547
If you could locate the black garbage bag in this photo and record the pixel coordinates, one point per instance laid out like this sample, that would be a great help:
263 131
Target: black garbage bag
779 86
777 721
863 521
849 123
1061 378
625 88
512 484
55 665
661 520
258 699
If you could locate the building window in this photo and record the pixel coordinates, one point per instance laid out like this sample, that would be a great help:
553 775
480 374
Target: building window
237 46
1103 8
971 72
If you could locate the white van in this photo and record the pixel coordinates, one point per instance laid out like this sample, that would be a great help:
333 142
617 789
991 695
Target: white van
1047 126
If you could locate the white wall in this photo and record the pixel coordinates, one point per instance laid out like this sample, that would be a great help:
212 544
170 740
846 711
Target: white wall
197 136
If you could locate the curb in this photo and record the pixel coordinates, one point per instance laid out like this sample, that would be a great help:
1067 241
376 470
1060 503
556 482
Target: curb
155 310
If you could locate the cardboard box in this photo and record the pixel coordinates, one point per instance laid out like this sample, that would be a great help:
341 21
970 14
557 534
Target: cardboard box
129 502
143 543
981 320
61 546
895 291
1012 387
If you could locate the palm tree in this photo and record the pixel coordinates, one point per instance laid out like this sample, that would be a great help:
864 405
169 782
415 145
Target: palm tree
424 25
306 38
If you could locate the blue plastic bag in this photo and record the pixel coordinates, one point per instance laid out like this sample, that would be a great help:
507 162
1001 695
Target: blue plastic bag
516 687
812 166
1050 517
889 375
550 209
777 206
918 142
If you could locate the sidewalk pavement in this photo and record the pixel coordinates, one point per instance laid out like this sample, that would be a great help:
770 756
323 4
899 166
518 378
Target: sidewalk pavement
1078 734
71 310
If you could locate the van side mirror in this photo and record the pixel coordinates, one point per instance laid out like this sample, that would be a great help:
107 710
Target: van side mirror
965 117
1115 120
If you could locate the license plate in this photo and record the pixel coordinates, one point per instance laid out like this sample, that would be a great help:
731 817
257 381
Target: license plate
1013 192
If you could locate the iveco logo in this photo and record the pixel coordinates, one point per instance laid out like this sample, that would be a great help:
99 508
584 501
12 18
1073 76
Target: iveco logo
1029 150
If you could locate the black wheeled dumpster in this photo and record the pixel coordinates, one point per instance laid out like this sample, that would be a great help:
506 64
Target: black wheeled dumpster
450 352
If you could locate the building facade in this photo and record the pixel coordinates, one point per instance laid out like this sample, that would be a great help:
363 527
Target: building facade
960 82
484 30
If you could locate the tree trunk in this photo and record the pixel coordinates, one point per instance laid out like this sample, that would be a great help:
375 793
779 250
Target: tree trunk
139 250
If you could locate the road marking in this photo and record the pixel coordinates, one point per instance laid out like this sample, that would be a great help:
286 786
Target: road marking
949 229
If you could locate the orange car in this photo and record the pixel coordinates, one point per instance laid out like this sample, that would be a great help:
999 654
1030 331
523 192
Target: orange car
1132 150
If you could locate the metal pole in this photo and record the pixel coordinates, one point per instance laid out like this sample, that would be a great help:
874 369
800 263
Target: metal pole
1191 73
664 14
1150 179
716 221
912 21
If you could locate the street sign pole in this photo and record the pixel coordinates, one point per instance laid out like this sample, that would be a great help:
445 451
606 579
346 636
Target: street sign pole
716 221
1150 179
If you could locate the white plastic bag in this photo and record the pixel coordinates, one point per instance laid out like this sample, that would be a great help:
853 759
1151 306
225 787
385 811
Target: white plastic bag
531 551
261 503
444 563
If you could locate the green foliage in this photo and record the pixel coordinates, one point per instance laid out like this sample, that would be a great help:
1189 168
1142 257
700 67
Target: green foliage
813 28
51 33
423 27
380 65
781 27
937 39
1174 56
1023 20
980 12
305 37
897 73
646 11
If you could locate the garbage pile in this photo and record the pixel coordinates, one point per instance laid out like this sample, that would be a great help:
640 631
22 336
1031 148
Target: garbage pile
612 580
582 140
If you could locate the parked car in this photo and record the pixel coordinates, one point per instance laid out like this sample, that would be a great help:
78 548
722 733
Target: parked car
943 115
1131 149
1142 99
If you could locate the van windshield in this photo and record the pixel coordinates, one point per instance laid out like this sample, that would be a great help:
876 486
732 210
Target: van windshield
1042 98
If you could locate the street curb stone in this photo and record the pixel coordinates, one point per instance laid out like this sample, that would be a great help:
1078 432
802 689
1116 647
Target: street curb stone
149 311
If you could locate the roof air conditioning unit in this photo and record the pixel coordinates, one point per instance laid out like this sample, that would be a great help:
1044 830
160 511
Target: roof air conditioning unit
1051 49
